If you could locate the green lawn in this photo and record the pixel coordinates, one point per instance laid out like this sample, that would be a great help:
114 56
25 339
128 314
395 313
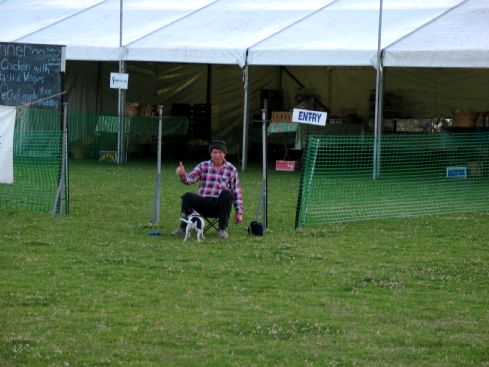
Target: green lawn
94 289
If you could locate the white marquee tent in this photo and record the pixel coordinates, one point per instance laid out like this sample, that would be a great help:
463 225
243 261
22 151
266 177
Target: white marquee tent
256 32
346 33
222 32
459 39
311 37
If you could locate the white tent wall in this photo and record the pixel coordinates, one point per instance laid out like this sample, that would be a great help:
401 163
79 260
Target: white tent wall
90 95
88 88
165 83
351 90
435 92
81 84
228 95
160 84
226 99
339 89
425 92
168 83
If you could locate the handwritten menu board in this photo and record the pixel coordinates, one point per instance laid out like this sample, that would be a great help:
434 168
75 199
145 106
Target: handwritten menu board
30 73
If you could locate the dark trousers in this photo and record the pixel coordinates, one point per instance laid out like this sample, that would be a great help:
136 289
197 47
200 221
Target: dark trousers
219 207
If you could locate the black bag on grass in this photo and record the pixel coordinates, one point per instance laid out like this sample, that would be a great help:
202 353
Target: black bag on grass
255 228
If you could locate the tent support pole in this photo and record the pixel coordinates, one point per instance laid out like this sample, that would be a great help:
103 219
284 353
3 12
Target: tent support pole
378 102
121 151
60 197
121 138
264 113
244 154
155 216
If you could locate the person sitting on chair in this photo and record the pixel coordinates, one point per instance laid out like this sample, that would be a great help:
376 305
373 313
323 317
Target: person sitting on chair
219 189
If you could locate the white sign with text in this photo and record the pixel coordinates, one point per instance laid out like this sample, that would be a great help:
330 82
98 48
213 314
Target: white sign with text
119 80
309 117
7 125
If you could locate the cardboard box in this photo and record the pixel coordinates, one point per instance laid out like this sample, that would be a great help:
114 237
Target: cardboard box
285 166
281 116
108 156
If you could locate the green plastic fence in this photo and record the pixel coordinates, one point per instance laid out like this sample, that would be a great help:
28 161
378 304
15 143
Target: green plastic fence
419 174
91 134
37 161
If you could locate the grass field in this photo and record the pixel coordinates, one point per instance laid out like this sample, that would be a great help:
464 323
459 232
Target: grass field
94 289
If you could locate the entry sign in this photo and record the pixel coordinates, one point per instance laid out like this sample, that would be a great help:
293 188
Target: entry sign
119 80
309 117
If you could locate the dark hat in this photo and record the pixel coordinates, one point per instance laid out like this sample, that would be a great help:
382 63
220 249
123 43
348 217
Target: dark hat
218 144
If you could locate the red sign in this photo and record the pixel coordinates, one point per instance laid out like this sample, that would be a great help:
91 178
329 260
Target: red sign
285 165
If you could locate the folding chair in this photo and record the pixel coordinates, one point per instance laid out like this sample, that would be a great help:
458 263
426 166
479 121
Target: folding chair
211 223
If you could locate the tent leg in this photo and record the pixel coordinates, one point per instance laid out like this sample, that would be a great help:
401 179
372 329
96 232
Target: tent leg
244 155
264 113
59 200
121 147
155 217
378 102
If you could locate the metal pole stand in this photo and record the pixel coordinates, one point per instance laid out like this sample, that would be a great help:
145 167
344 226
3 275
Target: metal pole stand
59 204
264 164
155 217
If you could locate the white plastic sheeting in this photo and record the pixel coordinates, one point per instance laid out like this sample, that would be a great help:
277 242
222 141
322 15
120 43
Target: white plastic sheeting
346 32
94 34
459 39
222 32
446 33
19 18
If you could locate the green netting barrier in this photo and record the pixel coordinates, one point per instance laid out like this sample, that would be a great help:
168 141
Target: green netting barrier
37 161
418 175
82 140
93 135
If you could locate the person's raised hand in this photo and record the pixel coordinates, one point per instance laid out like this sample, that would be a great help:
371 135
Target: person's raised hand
180 171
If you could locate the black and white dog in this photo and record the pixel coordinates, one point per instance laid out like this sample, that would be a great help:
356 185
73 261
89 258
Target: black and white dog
194 222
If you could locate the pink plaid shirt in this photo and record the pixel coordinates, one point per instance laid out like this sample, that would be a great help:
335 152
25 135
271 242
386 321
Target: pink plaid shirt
213 180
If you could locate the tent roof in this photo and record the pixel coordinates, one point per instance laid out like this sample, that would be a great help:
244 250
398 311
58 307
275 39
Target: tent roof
93 34
451 33
458 39
222 32
346 32
21 18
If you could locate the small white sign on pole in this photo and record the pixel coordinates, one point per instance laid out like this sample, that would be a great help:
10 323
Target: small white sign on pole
309 117
7 125
119 80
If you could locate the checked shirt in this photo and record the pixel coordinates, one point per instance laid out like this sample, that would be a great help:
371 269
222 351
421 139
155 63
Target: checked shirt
214 180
